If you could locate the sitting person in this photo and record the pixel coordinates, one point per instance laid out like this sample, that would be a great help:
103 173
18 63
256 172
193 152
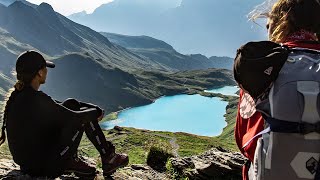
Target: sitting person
43 134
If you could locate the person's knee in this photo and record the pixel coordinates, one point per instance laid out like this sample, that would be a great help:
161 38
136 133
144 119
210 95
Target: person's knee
72 104
72 100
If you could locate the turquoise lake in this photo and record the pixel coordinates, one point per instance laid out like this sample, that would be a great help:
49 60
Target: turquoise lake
193 114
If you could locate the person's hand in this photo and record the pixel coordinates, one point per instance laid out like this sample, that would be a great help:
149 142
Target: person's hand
101 117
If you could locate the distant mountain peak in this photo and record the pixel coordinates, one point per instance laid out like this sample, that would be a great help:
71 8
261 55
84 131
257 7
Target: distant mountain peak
16 3
8 2
45 6
19 6
82 12
144 42
200 57
78 14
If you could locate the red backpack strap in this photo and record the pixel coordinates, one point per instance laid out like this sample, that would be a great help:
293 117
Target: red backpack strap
245 170
248 124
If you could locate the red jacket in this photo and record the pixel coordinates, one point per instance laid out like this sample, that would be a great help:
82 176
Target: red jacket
247 127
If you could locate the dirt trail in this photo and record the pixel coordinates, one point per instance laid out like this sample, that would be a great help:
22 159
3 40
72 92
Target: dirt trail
172 141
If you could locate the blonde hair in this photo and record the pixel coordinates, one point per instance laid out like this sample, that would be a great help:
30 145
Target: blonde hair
289 16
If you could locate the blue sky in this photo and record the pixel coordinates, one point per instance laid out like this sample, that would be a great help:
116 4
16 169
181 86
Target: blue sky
67 7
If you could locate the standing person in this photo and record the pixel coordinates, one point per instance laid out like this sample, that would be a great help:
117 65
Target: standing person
294 23
43 134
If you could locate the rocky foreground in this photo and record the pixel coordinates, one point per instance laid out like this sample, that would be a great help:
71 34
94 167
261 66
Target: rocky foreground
213 164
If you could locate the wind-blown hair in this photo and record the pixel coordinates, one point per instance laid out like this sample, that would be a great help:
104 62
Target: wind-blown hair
262 10
289 16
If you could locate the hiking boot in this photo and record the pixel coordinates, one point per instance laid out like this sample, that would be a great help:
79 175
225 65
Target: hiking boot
116 161
80 167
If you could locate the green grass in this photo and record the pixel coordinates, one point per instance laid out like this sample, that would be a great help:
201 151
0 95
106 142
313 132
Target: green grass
110 117
227 136
194 145
136 143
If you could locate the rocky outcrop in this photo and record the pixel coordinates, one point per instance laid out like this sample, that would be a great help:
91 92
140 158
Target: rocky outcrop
137 172
213 164
9 170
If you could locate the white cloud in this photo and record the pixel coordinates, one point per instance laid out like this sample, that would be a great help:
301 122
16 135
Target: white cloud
67 7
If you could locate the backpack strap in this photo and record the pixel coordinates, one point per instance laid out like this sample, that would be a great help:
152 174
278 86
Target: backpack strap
282 126
267 130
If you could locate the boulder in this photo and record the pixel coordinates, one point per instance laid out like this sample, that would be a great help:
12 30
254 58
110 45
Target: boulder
212 164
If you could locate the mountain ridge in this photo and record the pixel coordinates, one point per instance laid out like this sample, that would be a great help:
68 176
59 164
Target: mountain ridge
137 41
54 35
9 2
165 54
115 89
199 32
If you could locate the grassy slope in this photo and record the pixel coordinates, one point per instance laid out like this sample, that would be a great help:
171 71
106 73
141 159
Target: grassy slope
227 136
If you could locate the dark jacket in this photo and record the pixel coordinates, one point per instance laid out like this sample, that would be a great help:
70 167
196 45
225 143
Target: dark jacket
36 126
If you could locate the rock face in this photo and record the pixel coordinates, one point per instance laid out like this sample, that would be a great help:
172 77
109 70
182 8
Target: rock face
9 170
213 164
137 172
